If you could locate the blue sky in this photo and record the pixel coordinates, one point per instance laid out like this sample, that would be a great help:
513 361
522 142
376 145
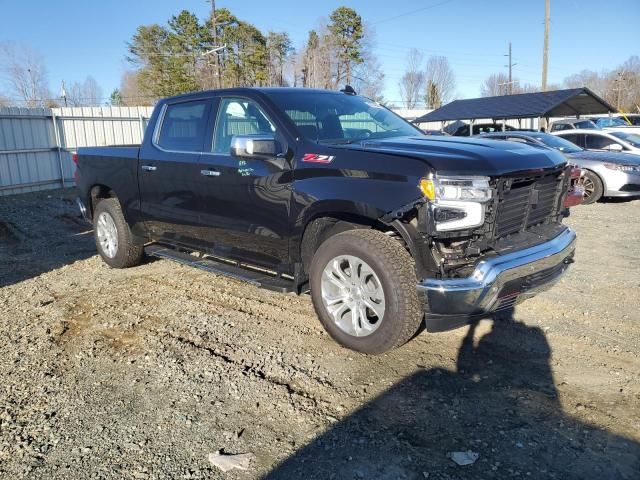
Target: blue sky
80 37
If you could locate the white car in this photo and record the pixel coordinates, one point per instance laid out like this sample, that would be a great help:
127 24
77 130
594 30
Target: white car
603 140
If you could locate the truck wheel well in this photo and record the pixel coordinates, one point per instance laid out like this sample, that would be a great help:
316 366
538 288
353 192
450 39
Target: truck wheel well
97 193
321 228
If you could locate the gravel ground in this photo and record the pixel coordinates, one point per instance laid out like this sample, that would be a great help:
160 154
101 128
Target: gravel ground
142 373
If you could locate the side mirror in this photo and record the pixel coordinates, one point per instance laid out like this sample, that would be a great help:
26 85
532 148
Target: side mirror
262 146
615 147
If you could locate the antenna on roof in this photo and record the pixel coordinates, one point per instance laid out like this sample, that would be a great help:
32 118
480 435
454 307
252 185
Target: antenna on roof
348 89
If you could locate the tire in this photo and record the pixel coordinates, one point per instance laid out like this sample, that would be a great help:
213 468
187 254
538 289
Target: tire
109 223
593 187
387 283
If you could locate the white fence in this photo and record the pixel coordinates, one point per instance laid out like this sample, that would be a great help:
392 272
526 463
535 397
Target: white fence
36 144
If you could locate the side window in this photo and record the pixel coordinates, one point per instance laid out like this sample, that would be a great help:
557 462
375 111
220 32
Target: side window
572 139
598 142
183 126
238 116
520 140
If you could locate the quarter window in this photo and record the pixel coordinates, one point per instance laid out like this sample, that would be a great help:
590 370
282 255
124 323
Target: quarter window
183 126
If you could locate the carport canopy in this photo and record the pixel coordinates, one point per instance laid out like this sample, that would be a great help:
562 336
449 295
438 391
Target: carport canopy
556 103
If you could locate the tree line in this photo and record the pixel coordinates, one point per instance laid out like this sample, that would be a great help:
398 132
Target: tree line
620 87
224 51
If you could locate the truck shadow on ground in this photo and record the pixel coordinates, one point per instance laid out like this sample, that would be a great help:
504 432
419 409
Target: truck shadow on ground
501 402
35 239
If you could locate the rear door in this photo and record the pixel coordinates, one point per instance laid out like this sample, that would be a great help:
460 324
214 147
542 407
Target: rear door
169 172
600 142
244 203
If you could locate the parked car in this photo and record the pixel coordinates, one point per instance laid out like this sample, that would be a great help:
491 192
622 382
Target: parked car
605 174
603 140
311 190
602 122
572 124
463 130
616 124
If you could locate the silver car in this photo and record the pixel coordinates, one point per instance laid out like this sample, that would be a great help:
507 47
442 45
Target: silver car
572 124
606 174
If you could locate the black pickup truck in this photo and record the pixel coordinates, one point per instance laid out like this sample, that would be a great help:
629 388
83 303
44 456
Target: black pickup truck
303 190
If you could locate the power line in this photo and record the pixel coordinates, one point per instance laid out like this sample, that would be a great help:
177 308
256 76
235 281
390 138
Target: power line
411 12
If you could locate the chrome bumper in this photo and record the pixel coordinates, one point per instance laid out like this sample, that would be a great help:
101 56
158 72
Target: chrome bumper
497 283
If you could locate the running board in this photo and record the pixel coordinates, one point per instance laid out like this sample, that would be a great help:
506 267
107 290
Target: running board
232 270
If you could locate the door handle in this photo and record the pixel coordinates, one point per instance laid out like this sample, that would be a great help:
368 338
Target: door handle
210 173
149 168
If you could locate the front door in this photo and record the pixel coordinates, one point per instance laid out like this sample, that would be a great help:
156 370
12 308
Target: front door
244 203
169 173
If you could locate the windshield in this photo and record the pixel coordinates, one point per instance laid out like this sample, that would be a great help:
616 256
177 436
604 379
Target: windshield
337 118
611 122
565 146
632 138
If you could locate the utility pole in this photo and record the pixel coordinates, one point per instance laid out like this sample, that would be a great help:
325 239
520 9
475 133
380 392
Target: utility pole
511 65
619 82
216 69
545 50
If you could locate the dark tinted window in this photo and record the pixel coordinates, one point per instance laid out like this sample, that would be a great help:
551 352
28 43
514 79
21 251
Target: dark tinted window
183 126
558 127
598 142
573 138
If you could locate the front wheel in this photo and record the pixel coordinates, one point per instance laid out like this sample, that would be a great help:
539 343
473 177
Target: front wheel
113 237
593 187
363 287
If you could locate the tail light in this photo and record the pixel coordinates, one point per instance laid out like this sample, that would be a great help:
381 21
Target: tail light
76 174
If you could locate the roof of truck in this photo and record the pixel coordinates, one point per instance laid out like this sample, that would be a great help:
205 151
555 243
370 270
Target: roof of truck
238 90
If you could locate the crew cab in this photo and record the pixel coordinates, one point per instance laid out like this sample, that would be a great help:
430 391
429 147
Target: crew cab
302 190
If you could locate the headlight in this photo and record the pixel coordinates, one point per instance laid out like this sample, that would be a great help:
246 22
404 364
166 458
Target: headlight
457 202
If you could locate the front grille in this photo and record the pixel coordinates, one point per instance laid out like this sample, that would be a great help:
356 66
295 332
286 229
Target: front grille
525 202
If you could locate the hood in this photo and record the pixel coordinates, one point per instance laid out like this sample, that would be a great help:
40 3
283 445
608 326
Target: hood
618 158
462 156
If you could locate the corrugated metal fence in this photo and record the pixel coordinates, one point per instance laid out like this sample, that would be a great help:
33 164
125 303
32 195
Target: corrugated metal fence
36 144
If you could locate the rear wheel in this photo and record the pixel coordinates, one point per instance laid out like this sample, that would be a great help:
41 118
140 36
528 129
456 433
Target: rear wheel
114 240
593 188
363 287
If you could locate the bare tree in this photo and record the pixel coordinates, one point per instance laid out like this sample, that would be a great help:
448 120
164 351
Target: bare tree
494 85
25 74
85 94
412 82
130 92
620 87
4 101
440 82
317 66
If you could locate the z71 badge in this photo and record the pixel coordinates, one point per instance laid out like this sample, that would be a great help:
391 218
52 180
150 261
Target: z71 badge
315 158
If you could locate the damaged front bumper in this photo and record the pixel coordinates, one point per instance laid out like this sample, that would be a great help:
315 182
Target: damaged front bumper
497 283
